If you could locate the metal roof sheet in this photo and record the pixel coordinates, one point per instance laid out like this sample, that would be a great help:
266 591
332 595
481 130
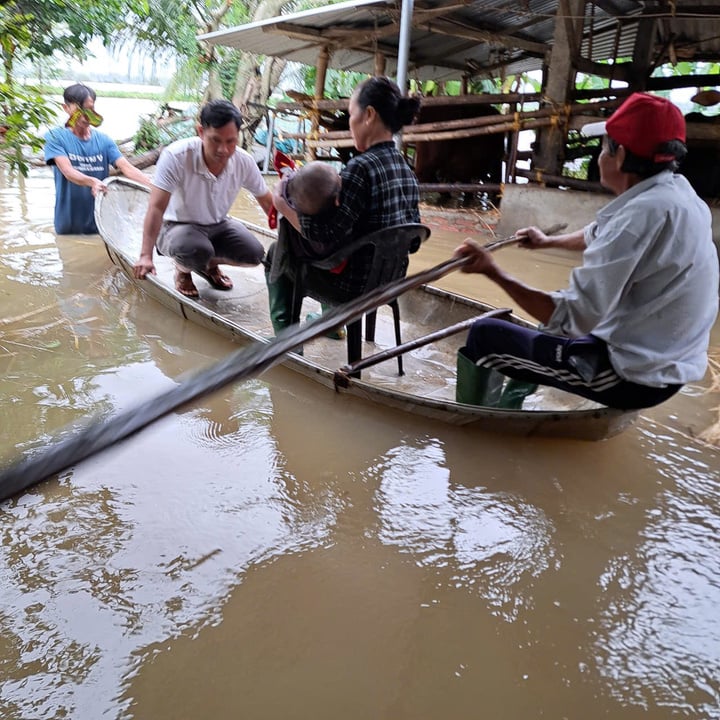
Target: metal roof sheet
450 38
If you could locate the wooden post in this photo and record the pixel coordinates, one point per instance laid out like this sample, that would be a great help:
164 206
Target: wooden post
379 64
321 67
642 54
512 156
550 146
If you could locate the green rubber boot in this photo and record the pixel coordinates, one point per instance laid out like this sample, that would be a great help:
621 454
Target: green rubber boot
280 295
338 333
515 393
477 385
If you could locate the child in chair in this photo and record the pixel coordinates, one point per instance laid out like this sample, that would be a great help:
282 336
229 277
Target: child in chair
311 190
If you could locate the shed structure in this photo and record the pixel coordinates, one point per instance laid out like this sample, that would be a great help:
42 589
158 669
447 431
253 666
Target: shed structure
621 41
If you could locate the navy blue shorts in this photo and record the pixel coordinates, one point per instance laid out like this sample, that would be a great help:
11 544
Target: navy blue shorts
577 365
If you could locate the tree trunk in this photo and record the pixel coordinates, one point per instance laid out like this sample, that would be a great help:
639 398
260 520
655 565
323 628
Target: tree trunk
213 91
254 84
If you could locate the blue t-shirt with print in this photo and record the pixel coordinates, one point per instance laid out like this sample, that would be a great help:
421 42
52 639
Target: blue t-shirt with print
74 204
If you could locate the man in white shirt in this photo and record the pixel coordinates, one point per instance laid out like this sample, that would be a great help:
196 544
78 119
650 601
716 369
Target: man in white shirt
195 183
634 323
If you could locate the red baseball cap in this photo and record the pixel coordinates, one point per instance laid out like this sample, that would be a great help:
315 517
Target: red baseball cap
641 124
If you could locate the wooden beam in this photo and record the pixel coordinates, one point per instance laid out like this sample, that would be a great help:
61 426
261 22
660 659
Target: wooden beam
539 176
350 35
653 84
549 148
380 62
641 66
456 29
680 81
443 100
363 40
619 71
322 66
677 10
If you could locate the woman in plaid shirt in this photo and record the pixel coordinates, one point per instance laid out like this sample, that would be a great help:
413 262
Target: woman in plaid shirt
378 190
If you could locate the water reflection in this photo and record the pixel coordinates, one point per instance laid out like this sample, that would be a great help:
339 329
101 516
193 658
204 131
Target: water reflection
492 542
132 549
661 637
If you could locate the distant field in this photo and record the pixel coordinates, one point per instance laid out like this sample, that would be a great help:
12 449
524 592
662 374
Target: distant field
119 90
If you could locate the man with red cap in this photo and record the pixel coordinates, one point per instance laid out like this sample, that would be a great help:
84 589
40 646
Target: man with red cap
633 326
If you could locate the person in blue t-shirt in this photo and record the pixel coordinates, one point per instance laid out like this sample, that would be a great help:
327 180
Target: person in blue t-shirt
81 158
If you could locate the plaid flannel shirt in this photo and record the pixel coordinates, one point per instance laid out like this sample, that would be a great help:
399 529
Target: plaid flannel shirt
378 190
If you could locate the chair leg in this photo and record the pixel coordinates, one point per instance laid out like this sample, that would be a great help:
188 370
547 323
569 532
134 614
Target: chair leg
370 321
354 343
398 339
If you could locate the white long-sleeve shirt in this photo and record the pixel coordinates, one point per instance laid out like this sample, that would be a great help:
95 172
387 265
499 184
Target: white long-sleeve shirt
648 284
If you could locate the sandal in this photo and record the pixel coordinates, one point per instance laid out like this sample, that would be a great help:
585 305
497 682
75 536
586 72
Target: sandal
184 284
216 279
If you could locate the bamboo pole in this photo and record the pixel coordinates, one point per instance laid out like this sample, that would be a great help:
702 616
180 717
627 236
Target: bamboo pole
344 374
541 177
479 121
344 140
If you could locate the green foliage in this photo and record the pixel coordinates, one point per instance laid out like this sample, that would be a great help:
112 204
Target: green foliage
227 71
687 68
338 83
32 29
168 24
173 26
577 169
148 135
483 85
476 86
23 110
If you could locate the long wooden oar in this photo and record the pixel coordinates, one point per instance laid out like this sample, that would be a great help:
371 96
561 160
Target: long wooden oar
342 376
74 444
512 239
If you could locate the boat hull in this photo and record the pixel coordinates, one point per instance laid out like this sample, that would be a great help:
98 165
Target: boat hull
426 389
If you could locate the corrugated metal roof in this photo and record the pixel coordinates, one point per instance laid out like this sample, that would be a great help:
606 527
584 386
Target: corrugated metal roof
478 37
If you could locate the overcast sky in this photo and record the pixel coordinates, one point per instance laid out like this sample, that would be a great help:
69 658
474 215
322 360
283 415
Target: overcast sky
102 63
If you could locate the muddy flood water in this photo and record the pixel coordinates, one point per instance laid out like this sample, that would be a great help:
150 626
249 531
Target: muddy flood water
276 551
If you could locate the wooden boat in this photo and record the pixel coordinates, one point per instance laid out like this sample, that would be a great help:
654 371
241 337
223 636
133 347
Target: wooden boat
428 386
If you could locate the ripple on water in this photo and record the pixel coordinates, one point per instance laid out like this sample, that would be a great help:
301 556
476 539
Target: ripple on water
490 542
130 549
661 639
39 266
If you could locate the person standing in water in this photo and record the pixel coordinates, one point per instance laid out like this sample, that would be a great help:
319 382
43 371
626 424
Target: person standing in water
81 157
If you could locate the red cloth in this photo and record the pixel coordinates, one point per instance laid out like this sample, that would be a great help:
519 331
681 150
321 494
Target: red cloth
281 163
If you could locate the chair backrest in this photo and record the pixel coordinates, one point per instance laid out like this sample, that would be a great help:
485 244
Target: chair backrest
390 248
